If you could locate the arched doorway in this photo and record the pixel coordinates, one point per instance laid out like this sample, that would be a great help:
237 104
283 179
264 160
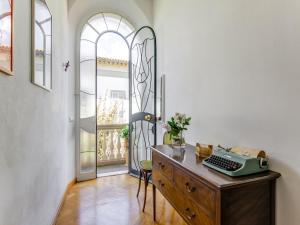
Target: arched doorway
104 105
111 99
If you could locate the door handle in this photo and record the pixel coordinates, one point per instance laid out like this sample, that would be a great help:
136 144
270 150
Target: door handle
148 117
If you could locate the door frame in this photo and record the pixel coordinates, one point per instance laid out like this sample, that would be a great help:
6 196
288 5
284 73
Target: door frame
93 175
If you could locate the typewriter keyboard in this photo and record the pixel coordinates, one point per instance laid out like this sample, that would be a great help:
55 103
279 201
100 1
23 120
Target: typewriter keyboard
223 163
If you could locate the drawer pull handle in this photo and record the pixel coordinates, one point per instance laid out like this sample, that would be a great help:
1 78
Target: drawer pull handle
161 166
189 188
161 184
191 214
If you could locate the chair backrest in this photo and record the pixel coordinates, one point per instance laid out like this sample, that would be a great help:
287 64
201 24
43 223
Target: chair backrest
167 138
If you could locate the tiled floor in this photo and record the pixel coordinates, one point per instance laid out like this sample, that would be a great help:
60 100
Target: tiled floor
112 201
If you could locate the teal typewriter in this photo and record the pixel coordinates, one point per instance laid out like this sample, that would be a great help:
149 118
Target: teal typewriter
236 164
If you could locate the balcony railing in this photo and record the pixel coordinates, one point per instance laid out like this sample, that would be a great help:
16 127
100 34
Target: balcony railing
111 149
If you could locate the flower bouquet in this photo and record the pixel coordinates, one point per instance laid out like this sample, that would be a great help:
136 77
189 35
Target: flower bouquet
175 127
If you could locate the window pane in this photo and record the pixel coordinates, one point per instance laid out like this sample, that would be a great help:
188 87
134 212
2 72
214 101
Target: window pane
87 162
88 76
39 38
39 73
48 45
125 28
41 11
87 50
87 151
4 6
48 72
47 27
5 29
87 132
112 21
87 106
130 38
98 23
5 43
39 56
89 34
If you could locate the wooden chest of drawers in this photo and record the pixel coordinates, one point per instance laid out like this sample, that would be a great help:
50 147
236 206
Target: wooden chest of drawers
205 197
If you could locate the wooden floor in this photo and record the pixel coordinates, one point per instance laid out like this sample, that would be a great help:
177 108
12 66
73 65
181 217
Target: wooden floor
112 201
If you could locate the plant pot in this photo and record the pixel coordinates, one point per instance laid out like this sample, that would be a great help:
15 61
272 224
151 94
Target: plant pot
124 142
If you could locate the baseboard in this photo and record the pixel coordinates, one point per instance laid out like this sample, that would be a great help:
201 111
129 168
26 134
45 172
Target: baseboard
69 186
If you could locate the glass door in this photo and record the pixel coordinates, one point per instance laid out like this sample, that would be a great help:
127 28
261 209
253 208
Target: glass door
86 159
142 97
142 102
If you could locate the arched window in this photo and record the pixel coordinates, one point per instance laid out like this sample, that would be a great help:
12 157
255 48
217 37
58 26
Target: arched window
104 55
42 34
109 28
6 15
104 23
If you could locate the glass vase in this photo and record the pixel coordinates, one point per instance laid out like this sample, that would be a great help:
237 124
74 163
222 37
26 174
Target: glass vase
178 141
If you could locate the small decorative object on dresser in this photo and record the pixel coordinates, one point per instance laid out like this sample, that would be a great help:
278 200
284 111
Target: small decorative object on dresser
175 127
203 150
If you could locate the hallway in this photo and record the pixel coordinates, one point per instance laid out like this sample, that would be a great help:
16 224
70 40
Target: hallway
112 201
87 87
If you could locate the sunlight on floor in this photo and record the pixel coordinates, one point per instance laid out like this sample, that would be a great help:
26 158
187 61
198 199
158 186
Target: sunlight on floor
112 201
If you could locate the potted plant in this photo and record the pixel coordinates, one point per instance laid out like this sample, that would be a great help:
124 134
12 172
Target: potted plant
125 136
175 127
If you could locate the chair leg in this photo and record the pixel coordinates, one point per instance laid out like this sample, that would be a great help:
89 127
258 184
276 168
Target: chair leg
140 179
150 174
146 185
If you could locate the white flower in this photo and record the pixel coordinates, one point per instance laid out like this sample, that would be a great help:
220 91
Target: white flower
167 127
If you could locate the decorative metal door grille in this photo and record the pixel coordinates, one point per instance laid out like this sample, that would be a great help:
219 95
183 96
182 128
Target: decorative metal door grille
142 89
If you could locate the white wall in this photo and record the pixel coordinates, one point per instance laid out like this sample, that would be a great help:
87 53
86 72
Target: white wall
36 139
138 12
234 67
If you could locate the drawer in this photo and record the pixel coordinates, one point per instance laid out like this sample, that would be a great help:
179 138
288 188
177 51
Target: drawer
200 193
191 212
163 165
163 184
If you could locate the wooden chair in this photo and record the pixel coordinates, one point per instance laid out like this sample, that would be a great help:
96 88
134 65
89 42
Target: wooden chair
146 170
146 173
